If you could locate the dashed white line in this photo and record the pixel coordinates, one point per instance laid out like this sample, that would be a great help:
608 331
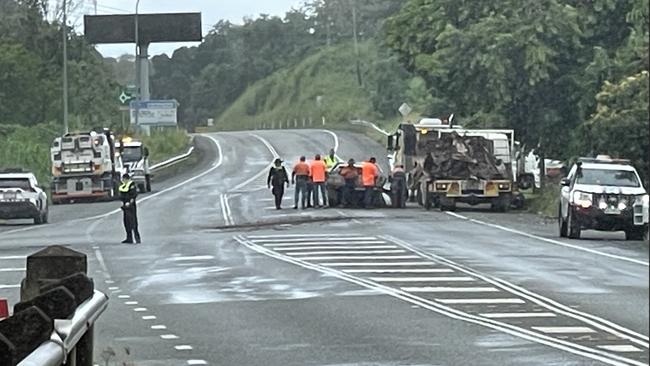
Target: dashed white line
196 362
149 317
140 310
168 336
384 264
333 252
406 270
123 297
158 327
564 330
517 315
113 288
620 348
183 347
130 303
448 289
481 301
423 279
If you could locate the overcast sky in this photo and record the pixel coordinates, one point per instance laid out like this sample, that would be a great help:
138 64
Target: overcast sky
212 11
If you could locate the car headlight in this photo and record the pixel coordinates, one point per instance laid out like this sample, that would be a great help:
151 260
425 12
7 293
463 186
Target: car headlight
504 186
602 204
441 186
622 205
646 200
582 199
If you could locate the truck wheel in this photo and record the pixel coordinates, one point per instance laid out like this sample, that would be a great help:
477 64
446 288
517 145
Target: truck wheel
142 188
636 233
573 229
428 202
38 220
46 215
562 224
418 197
148 182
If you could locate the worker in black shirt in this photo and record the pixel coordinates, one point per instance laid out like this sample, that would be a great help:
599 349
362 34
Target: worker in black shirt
277 178
128 194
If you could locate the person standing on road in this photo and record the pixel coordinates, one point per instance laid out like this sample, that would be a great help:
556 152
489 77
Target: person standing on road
398 186
318 175
330 160
369 174
277 177
128 194
300 178
350 177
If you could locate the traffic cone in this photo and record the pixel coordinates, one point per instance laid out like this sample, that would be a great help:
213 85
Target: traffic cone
4 309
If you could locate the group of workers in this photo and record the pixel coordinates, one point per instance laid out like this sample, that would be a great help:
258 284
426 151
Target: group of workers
309 179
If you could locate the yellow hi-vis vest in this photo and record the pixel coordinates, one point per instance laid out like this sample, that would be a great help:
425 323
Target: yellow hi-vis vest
329 161
125 187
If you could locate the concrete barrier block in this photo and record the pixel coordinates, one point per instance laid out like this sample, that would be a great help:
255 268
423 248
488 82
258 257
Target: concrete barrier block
57 303
48 266
22 333
81 286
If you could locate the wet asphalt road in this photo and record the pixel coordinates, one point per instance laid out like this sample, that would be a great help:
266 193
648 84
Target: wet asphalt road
340 287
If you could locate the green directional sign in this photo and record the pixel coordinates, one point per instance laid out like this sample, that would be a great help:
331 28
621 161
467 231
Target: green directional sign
125 97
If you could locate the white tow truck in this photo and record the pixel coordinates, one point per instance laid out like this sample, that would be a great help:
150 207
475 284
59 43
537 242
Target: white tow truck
135 161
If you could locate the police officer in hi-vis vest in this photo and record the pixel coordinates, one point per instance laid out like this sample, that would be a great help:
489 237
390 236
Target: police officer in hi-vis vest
128 194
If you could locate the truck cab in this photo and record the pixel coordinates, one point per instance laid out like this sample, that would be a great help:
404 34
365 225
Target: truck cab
135 161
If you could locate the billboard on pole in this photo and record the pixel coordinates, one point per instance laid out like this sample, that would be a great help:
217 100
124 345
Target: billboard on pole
155 112
172 27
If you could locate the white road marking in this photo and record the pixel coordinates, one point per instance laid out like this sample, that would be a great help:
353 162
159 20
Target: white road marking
131 303
254 238
620 348
387 264
168 336
113 288
124 297
333 252
196 362
374 257
448 289
261 173
517 315
336 247
8 257
320 243
564 330
191 258
350 239
12 269
228 210
140 310
552 241
149 317
224 210
2 287
574 348
158 327
286 198
545 302
410 270
183 347
423 279
109 282
481 301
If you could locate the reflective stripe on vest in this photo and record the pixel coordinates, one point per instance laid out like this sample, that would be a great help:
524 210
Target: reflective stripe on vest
329 161
125 186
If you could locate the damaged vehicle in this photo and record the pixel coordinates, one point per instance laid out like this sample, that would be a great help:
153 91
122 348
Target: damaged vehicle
603 194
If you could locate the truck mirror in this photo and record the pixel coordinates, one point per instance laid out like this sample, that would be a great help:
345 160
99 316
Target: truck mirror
391 141
565 182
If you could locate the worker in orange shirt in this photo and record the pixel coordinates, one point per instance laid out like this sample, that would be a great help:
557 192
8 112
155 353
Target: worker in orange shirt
319 175
369 174
300 178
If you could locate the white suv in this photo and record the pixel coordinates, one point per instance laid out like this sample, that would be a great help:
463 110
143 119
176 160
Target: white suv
603 194
22 198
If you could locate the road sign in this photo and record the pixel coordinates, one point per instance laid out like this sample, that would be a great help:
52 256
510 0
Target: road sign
404 109
155 112
125 97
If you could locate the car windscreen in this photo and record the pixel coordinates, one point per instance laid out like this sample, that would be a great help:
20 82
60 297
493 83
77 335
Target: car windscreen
22 183
607 177
130 154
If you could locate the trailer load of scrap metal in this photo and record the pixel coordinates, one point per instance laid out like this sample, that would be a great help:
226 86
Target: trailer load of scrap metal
452 156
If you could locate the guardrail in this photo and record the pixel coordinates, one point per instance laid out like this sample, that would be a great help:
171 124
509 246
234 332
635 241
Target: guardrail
53 323
174 160
359 122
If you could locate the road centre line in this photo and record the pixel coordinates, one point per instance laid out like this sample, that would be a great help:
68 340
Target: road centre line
448 289
393 251
517 315
578 349
550 241
540 300
261 172
482 301
423 279
564 330
339 243
409 270
335 247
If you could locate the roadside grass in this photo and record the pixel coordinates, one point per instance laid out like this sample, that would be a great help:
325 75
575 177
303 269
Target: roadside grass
545 201
165 144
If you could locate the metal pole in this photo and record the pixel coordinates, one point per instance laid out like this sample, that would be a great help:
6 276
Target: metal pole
356 40
137 66
65 67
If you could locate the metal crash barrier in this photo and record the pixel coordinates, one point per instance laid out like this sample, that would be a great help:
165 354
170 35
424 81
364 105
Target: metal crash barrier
53 323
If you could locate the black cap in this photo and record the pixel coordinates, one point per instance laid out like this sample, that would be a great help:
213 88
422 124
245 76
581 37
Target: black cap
126 175
278 161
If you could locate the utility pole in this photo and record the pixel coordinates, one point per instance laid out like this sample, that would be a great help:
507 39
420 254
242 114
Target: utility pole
64 30
137 66
356 40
